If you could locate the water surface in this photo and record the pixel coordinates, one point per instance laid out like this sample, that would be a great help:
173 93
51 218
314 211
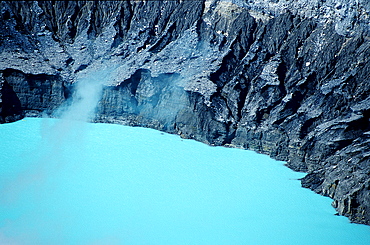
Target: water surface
63 182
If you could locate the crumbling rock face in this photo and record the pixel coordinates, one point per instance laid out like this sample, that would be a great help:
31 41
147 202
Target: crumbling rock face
285 78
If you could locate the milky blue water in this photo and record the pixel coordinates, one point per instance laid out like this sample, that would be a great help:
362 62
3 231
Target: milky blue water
80 183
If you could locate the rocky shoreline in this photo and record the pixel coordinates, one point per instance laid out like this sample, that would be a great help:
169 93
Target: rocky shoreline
285 78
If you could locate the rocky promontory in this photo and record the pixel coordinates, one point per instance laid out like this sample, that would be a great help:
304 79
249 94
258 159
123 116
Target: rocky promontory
286 78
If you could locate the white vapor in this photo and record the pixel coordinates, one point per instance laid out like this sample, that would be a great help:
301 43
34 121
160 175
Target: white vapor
62 137
86 95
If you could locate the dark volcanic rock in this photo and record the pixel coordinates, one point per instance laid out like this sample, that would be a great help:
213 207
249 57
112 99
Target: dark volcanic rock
286 78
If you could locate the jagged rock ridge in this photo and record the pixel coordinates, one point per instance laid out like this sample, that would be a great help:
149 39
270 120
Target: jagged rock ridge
260 75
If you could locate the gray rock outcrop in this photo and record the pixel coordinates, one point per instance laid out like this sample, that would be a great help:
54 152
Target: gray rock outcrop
285 78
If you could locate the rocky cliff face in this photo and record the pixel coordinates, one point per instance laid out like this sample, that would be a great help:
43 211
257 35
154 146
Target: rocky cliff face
285 78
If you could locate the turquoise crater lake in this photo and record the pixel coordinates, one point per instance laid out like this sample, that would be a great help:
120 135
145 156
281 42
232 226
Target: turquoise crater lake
63 182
